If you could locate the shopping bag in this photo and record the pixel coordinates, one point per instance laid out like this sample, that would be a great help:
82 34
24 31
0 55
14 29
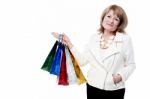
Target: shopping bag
80 77
48 62
72 78
55 69
62 77
61 62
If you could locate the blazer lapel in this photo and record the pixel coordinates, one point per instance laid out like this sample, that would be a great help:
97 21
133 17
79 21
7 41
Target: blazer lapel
95 50
114 48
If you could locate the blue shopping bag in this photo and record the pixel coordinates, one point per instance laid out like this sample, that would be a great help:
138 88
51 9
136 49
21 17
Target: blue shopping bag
55 69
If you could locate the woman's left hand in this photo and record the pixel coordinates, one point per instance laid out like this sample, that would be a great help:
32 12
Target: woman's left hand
117 78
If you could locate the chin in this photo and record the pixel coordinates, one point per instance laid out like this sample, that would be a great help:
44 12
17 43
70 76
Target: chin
109 29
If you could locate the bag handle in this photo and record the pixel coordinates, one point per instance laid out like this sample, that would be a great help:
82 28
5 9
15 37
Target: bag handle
60 37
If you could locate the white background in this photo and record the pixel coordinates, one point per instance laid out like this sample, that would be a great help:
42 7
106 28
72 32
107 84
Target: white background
25 41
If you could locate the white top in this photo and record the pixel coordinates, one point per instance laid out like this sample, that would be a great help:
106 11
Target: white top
103 52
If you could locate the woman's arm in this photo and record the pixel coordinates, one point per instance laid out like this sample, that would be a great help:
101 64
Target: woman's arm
80 57
129 60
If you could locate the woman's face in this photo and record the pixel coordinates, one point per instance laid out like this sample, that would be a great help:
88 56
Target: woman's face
110 21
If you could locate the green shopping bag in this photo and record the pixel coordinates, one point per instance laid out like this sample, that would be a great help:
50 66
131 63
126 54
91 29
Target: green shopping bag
48 62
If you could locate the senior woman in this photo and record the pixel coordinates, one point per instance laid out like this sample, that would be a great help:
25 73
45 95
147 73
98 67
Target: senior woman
110 54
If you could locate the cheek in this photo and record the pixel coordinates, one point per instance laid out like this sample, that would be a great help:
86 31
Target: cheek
115 27
105 19
116 23
104 23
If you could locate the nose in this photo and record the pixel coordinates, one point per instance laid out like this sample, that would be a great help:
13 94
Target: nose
111 20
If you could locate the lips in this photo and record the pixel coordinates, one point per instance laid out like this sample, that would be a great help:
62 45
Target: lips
111 25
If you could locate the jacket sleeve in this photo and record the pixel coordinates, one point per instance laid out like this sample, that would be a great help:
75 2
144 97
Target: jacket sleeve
83 57
129 65
80 57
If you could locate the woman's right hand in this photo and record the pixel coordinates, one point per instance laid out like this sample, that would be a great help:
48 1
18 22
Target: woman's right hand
55 34
65 39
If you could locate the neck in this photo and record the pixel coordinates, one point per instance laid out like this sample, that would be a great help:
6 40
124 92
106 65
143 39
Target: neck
108 33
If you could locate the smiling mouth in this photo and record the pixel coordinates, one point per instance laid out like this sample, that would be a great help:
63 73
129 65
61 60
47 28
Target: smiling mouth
110 25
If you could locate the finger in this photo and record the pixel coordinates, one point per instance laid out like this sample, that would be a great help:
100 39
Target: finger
63 41
55 34
63 33
114 80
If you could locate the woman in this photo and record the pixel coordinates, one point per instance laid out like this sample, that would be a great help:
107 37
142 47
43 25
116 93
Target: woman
110 55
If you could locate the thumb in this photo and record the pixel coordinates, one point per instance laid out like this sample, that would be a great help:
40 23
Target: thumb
55 34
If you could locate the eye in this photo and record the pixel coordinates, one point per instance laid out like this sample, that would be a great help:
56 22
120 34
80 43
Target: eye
108 16
117 19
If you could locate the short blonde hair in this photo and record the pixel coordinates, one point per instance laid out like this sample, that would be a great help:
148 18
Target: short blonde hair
120 13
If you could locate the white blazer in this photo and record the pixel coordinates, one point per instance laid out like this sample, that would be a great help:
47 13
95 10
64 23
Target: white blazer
118 60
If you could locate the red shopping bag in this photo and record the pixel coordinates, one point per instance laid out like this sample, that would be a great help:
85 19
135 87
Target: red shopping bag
62 78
